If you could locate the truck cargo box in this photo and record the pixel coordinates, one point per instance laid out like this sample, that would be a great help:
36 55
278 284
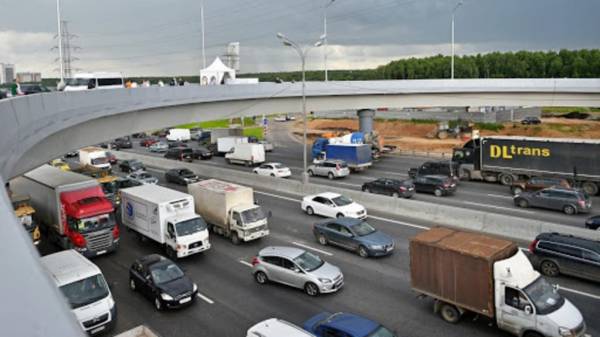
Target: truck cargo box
457 267
355 155
214 199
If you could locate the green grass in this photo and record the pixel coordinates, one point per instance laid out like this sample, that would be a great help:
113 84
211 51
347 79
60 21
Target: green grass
221 123
424 121
256 131
567 109
575 128
489 126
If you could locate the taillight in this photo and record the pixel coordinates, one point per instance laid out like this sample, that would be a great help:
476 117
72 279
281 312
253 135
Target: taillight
582 203
402 188
337 167
116 232
255 261
446 185
532 245
78 240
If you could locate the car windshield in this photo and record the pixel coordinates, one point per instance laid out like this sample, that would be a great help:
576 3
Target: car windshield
99 161
308 261
86 291
342 201
278 166
186 173
165 272
363 229
144 176
382 332
545 297
253 215
110 187
95 223
74 82
190 226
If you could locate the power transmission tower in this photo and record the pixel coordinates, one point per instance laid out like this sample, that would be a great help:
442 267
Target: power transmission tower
67 49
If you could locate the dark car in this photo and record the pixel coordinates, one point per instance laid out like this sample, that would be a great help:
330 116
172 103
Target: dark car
181 176
530 120
148 141
202 153
180 153
33 88
345 324
3 93
553 254
176 144
161 133
122 143
537 183
355 235
593 222
124 182
393 187
112 159
569 201
131 165
439 168
439 185
162 281
139 135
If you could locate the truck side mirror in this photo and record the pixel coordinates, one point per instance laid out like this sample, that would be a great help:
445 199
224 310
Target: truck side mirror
270 214
528 310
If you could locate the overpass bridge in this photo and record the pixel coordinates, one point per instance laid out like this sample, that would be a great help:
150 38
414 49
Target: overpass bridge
37 128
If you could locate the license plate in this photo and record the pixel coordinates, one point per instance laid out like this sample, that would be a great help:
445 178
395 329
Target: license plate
98 329
100 252
185 300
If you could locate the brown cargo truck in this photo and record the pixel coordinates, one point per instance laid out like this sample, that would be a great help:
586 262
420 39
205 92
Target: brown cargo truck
473 272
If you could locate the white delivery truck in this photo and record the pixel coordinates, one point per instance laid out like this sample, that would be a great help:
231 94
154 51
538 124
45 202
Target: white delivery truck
84 287
165 216
229 210
226 144
248 154
179 135
94 156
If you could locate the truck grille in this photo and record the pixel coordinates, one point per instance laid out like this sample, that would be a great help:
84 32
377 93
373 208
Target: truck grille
195 244
99 241
257 229
96 321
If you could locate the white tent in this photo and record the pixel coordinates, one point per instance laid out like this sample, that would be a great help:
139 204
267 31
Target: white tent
216 73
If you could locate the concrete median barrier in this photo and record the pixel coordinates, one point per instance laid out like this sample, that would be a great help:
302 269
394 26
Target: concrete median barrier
493 223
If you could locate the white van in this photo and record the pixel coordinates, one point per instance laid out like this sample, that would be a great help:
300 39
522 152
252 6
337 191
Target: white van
179 135
84 287
88 81
275 327
247 154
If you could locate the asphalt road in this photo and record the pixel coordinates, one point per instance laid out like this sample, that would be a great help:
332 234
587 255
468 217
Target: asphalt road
488 197
232 301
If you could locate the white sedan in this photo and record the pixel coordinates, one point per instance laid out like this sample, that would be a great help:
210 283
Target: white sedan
273 170
332 205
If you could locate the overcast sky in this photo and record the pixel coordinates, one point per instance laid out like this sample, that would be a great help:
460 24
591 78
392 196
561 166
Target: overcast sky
163 37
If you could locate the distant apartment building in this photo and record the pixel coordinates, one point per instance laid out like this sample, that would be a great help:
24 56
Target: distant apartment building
29 77
7 73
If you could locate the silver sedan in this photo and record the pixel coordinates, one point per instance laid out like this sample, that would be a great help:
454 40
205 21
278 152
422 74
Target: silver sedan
297 268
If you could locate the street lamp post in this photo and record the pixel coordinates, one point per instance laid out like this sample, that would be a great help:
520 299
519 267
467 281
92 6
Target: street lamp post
325 37
453 13
302 52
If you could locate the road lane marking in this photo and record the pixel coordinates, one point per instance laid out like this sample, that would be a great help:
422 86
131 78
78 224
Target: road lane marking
246 263
312 248
497 207
277 196
347 184
398 222
578 292
204 298
499 196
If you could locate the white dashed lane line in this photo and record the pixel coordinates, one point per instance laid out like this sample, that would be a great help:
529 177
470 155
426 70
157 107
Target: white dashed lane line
312 248
204 298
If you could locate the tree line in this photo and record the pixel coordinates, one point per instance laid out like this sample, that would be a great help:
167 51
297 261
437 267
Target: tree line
584 63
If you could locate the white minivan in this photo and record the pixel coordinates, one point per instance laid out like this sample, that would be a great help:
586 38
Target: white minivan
179 135
84 287
246 154
89 81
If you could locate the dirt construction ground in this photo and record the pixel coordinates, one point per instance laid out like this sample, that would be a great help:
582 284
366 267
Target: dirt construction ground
412 136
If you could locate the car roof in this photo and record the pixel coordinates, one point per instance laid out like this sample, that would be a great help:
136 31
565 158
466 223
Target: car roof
328 195
151 259
571 240
289 252
344 221
68 266
275 327
351 324
437 176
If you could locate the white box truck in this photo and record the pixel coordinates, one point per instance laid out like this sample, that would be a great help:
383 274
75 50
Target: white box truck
226 144
229 210
165 216
179 135
248 154
84 287
94 157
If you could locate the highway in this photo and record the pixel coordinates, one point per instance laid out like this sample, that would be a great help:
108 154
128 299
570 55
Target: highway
230 301
488 197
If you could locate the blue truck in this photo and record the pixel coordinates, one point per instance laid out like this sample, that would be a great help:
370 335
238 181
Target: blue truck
357 156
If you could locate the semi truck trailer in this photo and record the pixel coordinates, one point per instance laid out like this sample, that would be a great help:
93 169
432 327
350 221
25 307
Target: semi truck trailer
229 210
71 208
508 158
473 272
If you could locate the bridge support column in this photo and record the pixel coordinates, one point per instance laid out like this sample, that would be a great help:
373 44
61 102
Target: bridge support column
365 120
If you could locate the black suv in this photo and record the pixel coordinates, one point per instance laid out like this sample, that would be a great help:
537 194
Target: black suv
180 153
122 143
554 253
439 168
439 185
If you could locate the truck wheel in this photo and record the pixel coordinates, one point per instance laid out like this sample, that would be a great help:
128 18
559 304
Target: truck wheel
449 313
506 179
228 161
322 239
549 268
311 173
309 210
438 192
590 188
466 175
235 239
569 210
339 215
523 203
330 176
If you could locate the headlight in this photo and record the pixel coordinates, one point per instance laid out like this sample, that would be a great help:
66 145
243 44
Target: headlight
195 287
565 332
325 280
166 297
